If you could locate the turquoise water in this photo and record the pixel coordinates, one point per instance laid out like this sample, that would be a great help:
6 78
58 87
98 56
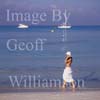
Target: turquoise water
48 60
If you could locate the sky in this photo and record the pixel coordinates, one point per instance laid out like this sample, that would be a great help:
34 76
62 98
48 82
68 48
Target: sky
83 12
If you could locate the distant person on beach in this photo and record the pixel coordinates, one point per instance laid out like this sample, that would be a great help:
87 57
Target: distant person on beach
67 74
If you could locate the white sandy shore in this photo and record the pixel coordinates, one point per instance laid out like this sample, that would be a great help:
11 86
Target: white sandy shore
64 95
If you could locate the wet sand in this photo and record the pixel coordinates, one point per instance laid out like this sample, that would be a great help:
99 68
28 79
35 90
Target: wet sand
25 94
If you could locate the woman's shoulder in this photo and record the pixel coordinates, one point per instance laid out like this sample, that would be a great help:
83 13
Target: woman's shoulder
68 69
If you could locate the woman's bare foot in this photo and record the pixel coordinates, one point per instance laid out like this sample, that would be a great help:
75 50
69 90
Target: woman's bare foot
63 86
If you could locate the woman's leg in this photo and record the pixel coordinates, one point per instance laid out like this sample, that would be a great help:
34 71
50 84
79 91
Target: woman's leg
73 84
64 84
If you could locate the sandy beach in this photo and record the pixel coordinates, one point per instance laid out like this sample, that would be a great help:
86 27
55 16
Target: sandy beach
60 95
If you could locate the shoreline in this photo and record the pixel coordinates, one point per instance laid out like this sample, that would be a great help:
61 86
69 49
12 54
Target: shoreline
44 90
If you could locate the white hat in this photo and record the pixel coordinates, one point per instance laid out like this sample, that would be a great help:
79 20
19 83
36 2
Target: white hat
68 53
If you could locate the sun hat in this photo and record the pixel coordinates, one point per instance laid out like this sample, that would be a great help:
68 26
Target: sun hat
68 53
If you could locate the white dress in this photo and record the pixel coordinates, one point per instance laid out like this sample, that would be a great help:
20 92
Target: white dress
67 75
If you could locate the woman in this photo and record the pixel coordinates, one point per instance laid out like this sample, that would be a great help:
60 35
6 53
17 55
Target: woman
67 74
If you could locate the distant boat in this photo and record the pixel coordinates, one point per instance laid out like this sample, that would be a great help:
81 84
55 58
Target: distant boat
52 30
64 26
23 26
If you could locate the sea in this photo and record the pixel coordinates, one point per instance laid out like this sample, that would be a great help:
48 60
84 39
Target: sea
40 51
